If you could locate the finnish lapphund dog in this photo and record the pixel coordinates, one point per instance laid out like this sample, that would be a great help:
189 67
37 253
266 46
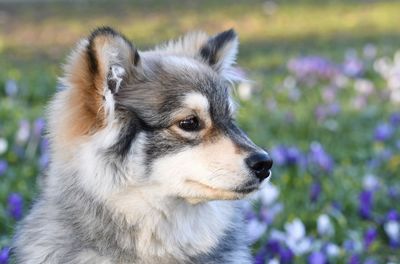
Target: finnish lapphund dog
147 163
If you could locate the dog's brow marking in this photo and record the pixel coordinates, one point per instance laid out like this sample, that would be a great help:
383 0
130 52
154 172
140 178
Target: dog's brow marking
197 101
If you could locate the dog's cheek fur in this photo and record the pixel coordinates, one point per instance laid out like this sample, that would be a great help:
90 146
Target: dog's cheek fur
218 164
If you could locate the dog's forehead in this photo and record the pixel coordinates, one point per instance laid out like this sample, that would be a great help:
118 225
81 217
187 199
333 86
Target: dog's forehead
192 83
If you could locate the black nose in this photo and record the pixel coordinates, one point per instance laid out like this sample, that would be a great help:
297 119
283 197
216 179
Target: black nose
260 163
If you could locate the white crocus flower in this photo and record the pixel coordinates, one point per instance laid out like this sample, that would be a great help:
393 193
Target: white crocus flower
364 86
274 261
255 229
295 230
277 235
332 250
392 229
269 193
324 226
245 90
23 132
296 239
370 182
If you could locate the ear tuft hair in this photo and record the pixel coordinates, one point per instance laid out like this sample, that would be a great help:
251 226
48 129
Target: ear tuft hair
220 53
209 52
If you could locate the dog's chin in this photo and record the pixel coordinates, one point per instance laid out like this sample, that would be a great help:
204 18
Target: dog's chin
201 192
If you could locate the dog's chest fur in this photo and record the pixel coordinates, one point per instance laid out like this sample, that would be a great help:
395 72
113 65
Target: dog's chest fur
176 233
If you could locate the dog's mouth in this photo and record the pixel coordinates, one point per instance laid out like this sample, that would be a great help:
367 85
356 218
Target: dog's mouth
249 187
203 192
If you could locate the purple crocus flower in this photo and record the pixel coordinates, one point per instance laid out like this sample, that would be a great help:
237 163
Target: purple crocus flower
273 247
318 158
354 259
383 132
370 261
394 243
336 206
19 151
369 237
348 245
333 109
11 88
315 191
38 127
44 160
395 119
4 255
393 193
3 166
15 205
365 204
324 111
312 67
285 255
283 155
260 257
392 215
320 112
353 66
44 145
278 154
293 155
317 258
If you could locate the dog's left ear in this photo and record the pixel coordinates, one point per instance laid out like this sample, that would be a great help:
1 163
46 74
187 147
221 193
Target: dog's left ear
220 53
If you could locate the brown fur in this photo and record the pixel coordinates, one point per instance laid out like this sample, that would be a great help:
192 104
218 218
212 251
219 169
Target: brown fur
84 100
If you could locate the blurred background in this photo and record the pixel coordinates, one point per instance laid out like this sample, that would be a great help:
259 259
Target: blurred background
325 103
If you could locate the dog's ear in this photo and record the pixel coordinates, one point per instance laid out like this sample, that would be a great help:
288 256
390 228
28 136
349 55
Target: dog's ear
100 66
220 53
112 59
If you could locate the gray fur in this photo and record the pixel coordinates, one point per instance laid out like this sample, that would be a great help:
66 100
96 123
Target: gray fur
70 224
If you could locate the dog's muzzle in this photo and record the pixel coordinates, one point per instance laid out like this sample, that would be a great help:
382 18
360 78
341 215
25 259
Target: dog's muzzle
260 164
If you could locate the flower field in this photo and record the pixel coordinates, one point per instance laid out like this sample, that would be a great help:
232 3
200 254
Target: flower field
325 102
334 196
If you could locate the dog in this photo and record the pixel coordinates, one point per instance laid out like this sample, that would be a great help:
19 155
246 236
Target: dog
147 163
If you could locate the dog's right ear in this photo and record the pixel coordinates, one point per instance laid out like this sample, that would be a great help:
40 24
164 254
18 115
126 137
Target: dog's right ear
101 65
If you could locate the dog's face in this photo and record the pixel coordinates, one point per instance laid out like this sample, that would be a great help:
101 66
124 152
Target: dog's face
164 117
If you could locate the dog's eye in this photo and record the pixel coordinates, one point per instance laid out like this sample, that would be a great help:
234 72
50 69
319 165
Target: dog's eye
190 124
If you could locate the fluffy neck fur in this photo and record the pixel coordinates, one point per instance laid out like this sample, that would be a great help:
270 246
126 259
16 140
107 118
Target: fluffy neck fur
138 223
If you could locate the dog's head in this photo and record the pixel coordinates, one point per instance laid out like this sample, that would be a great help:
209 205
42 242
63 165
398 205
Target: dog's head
162 117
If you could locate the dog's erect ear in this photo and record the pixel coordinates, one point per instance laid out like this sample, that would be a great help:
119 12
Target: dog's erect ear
112 58
100 66
220 52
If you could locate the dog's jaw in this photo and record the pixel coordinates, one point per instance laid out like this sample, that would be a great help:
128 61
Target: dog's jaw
203 193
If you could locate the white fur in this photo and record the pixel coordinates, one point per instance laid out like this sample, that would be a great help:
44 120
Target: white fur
166 225
188 45
197 101
117 73
96 176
